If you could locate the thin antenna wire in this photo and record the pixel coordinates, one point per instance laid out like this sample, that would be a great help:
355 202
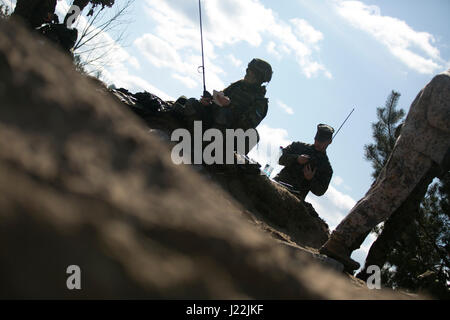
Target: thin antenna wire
201 37
343 123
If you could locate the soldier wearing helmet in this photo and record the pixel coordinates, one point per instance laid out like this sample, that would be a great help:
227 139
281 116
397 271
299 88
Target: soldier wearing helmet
261 69
242 105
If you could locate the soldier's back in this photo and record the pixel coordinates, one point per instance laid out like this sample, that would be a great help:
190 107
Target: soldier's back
249 105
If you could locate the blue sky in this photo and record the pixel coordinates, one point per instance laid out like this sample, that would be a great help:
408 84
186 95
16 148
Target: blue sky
328 57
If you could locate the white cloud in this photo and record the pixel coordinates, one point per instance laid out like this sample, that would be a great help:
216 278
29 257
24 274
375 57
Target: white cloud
159 52
285 107
306 32
337 181
226 23
234 61
174 43
120 77
232 21
415 49
163 54
271 48
292 42
189 82
332 206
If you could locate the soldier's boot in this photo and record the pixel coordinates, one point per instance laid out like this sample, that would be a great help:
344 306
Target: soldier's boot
336 249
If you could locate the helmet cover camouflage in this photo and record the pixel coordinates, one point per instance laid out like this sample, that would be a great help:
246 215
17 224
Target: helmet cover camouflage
262 69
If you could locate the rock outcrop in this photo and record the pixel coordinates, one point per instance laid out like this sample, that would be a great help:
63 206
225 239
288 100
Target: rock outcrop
82 182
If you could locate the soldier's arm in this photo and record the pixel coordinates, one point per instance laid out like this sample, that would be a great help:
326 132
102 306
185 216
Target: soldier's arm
290 154
257 112
320 182
228 90
439 103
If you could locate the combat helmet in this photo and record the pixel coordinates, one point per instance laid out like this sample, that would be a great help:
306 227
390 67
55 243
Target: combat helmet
262 69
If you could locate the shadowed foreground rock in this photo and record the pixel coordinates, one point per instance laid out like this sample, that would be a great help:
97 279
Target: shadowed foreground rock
83 183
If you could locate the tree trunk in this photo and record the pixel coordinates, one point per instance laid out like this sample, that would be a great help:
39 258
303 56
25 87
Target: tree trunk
34 12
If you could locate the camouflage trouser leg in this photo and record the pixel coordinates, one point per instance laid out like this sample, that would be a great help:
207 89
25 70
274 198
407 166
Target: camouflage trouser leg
403 171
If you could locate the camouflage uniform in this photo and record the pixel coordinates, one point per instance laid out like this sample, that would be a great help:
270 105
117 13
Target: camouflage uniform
396 227
293 171
424 141
247 109
248 104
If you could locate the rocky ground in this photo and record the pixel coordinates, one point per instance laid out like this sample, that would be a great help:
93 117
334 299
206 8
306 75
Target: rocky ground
83 182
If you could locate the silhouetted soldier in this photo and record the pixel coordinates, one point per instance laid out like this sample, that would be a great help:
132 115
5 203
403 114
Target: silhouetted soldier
307 167
242 105
423 143
35 13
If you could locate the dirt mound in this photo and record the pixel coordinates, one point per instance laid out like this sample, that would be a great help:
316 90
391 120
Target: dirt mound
267 203
82 182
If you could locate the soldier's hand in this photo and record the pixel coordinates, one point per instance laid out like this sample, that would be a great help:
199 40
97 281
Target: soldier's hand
308 173
221 99
49 17
205 101
303 159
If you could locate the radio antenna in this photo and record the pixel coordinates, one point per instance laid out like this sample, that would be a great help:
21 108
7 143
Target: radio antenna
343 123
205 93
